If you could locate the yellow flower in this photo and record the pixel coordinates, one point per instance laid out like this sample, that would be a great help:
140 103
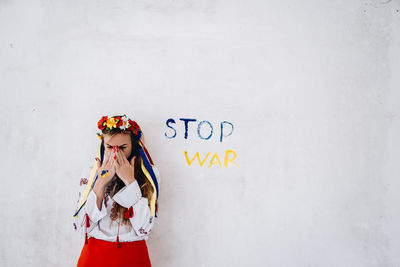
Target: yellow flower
111 123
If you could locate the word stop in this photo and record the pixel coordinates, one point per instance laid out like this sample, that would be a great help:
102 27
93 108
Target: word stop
226 128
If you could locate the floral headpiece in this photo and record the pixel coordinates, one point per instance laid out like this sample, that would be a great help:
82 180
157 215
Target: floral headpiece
122 122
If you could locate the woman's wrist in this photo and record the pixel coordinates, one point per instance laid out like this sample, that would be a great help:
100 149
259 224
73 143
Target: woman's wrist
99 189
130 180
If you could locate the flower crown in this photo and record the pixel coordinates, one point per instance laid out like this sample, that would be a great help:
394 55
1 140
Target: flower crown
122 122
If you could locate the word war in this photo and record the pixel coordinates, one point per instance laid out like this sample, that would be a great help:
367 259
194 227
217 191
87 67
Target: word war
214 160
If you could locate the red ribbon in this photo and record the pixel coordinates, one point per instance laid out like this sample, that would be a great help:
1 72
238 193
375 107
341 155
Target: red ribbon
86 221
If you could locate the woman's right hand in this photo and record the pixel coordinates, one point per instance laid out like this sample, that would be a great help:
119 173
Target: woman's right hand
108 164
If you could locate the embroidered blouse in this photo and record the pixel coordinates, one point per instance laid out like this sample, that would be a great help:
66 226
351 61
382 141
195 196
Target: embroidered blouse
92 222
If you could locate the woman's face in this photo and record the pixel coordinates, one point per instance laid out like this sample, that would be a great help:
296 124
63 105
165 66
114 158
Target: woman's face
123 141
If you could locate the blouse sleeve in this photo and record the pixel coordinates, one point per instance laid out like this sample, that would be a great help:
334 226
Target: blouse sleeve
131 197
90 207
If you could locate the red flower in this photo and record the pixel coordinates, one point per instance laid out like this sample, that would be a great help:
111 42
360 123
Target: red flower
118 120
129 213
130 124
134 127
102 124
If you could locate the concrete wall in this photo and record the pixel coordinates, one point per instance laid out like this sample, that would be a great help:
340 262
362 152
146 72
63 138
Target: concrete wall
311 89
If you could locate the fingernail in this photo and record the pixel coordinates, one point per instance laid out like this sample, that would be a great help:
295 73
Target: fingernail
115 157
117 149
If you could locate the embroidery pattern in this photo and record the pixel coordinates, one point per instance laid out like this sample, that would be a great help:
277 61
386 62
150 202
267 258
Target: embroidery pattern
142 231
83 181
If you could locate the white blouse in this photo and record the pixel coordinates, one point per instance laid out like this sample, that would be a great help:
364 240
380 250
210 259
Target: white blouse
129 196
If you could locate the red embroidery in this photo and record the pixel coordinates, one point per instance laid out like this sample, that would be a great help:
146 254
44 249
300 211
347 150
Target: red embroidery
142 231
129 213
83 181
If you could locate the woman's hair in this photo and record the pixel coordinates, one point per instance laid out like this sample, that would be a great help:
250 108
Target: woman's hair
117 211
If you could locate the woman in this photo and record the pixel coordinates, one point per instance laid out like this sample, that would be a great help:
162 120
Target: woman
118 198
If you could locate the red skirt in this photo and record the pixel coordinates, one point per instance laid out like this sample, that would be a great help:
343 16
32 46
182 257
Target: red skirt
98 253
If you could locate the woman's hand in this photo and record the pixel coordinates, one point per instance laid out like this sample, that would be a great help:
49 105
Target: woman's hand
107 169
124 169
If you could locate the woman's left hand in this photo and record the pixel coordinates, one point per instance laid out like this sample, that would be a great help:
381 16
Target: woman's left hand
124 169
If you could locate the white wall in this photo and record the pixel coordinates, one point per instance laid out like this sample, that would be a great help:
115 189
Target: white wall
311 87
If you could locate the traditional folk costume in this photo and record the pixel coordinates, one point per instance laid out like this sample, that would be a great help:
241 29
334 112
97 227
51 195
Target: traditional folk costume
110 243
